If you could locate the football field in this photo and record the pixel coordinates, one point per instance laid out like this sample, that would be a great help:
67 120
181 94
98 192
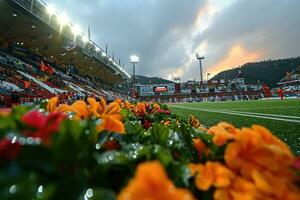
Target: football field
281 117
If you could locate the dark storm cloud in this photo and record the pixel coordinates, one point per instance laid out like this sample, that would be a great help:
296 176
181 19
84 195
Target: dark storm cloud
165 35
148 28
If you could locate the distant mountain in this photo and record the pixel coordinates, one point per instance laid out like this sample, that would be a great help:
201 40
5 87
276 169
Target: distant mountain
151 80
269 71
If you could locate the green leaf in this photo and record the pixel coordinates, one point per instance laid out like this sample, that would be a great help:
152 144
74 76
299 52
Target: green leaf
160 134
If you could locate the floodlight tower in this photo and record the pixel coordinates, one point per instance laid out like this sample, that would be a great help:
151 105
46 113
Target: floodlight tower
208 74
200 58
134 60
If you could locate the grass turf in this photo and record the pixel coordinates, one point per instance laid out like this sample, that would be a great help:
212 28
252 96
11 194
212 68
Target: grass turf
287 131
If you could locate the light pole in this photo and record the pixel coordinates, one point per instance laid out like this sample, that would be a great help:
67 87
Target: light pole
134 60
200 58
208 74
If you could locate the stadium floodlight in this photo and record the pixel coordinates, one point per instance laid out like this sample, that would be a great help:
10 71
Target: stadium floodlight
97 49
50 10
134 59
200 58
103 54
63 19
85 39
110 59
76 30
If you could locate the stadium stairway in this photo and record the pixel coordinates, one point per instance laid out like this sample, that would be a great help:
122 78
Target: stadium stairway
76 88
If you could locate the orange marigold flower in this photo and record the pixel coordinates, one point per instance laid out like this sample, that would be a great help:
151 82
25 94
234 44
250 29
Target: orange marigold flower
156 107
112 108
81 109
223 132
112 124
51 106
167 123
275 185
118 101
111 119
103 105
65 108
152 183
200 147
263 187
240 189
212 174
140 109
94 108
257 148
127 105
195 168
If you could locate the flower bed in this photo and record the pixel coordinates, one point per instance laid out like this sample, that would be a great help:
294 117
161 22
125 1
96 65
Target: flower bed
137 151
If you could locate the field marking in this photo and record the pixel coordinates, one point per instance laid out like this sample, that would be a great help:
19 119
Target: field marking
238 114
265 114
267 108
253 108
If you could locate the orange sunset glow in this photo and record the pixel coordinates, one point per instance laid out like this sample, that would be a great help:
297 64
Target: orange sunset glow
236 56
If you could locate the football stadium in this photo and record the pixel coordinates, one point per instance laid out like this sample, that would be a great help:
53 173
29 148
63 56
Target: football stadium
77 123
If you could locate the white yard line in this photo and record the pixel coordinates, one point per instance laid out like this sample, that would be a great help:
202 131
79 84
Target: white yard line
264 114
238 114
267 108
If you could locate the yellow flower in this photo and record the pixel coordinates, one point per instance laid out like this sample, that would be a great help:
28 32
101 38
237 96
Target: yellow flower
152 183
194 122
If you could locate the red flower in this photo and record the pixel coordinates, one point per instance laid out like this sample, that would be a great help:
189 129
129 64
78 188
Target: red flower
111 145
167 112
8 149
147 124
34 119
44 126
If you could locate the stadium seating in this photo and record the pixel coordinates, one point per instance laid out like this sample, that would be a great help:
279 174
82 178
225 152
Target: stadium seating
25 76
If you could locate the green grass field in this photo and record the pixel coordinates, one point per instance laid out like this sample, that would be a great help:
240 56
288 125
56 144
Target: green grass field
281 117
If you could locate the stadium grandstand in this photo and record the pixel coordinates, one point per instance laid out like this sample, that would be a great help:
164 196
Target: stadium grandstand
42 54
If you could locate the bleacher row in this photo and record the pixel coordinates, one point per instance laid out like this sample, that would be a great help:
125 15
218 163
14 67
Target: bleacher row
32 84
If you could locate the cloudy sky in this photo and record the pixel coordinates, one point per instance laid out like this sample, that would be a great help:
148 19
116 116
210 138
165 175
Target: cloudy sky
166 34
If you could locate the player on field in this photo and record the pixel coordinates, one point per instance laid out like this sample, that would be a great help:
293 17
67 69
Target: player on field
280 93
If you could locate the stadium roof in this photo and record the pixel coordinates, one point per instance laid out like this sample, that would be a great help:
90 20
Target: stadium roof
53 36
